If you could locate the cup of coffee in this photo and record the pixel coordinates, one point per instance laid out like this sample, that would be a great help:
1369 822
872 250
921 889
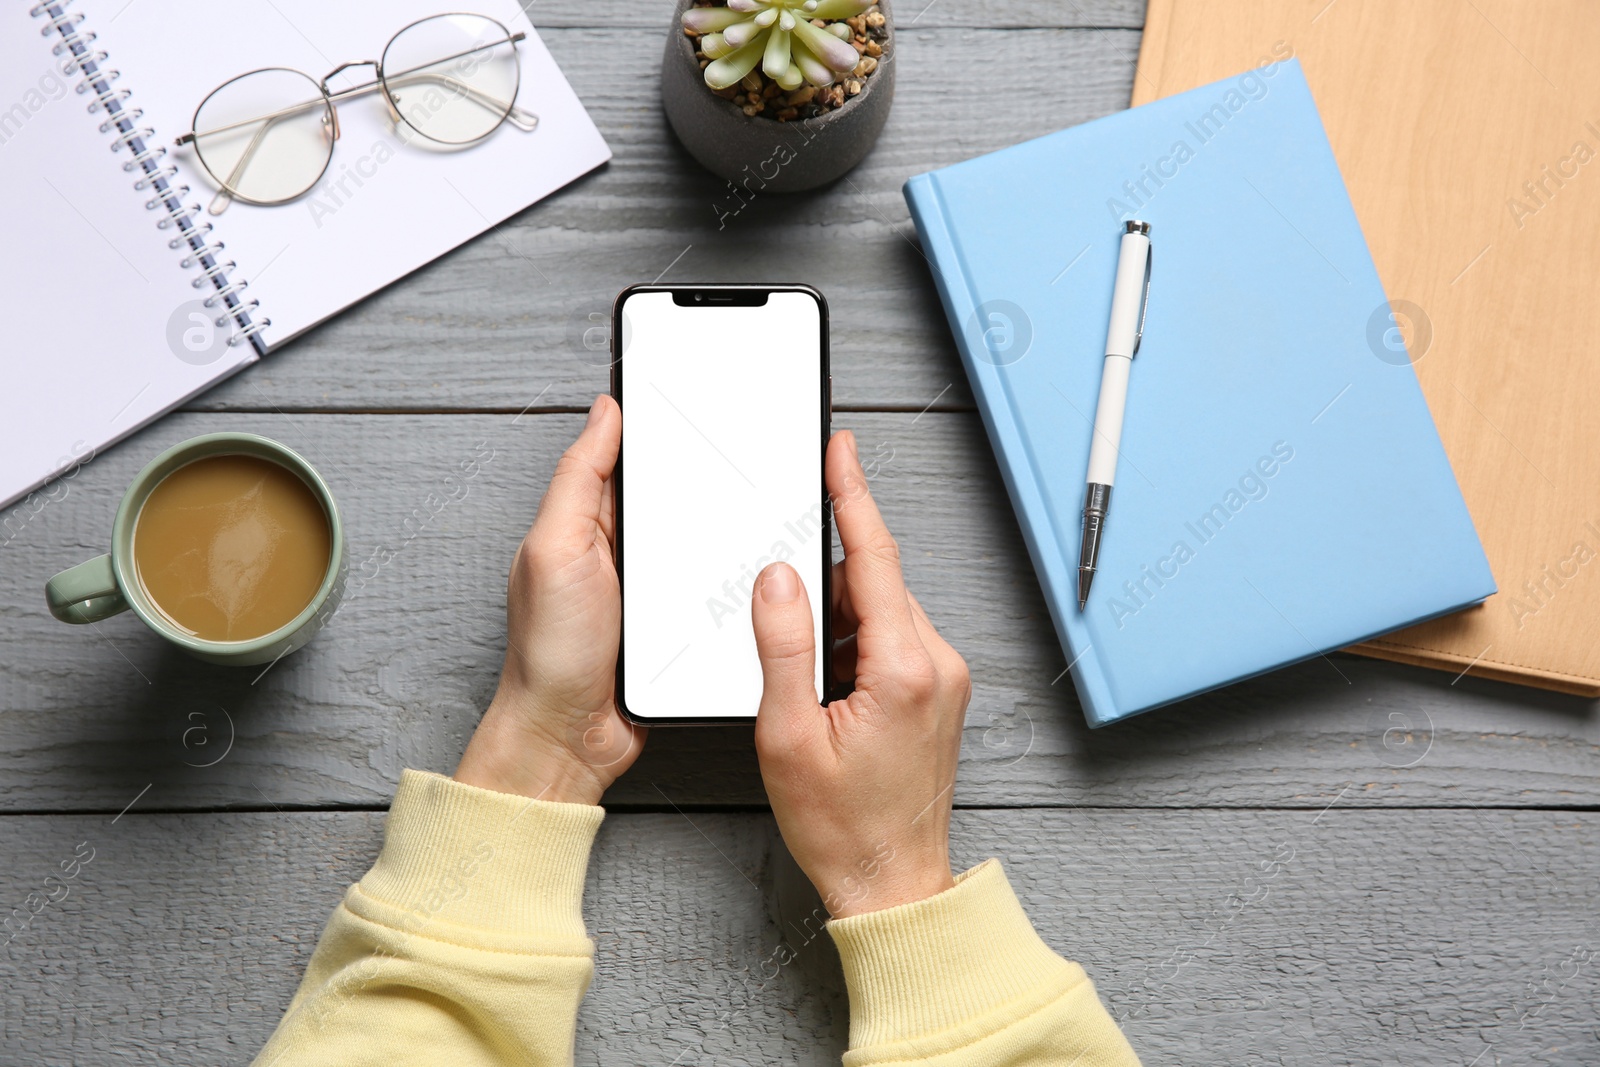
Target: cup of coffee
228 545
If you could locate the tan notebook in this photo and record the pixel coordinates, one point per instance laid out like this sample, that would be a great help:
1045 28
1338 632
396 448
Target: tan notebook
1469 137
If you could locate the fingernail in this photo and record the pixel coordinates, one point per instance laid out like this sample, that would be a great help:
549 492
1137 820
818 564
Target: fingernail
779 584
594 411
850 439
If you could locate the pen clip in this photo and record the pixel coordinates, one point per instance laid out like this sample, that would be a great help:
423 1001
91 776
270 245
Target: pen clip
1144 306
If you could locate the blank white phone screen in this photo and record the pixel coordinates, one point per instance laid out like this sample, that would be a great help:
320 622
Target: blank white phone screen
721 475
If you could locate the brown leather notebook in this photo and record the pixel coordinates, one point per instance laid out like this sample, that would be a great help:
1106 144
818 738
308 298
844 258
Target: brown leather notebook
1469 137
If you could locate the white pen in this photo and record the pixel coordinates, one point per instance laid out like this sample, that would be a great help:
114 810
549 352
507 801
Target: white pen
1128 302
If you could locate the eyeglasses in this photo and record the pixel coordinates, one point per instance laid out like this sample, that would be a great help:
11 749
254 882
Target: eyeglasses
266 137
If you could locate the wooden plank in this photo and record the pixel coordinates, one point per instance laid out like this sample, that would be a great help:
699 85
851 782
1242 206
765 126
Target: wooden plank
912 14
499 323
1421 936
1500 431
91 716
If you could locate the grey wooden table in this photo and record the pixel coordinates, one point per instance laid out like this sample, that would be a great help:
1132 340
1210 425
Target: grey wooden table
1347 861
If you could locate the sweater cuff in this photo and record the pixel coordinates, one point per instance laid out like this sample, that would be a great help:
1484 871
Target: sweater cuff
457 857
932 965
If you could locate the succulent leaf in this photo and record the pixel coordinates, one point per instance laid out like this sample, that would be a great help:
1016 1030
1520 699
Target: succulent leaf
775 61
792 79
839 9
793 42
741 33
833 52
727 71
815 71
710 19
715 46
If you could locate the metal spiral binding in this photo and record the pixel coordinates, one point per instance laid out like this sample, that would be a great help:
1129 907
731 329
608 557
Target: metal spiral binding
134 133
209 274
175 218
196 229
59 22
145 158
99 102
211 249
144 154
243 307
86 38
227 290
134 115
152 177
88 59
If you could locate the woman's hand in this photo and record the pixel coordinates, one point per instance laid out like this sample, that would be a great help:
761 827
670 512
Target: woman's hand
553 730
861 788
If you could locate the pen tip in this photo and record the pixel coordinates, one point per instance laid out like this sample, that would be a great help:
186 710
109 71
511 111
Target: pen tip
1085 577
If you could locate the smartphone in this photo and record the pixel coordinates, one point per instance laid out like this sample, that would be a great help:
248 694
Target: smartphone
726 405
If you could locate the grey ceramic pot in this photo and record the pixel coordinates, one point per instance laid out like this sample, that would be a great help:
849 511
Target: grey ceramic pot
758 154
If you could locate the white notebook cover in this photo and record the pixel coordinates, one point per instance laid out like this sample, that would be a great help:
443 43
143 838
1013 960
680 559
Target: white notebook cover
95 301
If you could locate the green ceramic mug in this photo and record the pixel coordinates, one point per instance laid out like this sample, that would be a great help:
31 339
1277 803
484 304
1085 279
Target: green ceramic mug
108 584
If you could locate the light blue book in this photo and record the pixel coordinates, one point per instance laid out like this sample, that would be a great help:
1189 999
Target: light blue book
1281 490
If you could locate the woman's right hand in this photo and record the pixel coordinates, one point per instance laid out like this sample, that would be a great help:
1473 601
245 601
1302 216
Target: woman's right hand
861 788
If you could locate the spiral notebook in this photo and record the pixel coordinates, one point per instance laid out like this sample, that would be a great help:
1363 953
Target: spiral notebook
113 274
1281 490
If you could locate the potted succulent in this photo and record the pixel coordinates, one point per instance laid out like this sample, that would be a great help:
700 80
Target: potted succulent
778 95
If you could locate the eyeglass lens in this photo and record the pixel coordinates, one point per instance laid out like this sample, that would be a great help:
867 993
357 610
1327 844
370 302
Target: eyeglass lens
452 78
267 136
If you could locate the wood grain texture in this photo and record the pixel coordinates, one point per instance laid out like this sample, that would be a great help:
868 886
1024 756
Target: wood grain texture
499 323
1256 937
919 14
1484 269
1322 909
91 715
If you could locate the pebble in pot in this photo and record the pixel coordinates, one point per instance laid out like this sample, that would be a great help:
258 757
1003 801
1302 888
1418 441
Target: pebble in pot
779 95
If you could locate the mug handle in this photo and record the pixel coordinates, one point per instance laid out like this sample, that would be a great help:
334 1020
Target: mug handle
85 593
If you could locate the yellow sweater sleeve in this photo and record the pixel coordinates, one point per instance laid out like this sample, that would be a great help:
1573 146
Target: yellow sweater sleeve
962 979
464 946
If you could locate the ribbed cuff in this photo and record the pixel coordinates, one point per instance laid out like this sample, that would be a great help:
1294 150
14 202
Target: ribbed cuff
935 964
456 855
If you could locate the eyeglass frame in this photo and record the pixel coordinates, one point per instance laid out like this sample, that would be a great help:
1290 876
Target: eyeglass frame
526 120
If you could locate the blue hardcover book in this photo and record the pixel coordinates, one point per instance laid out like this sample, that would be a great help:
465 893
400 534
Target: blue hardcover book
1281 490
